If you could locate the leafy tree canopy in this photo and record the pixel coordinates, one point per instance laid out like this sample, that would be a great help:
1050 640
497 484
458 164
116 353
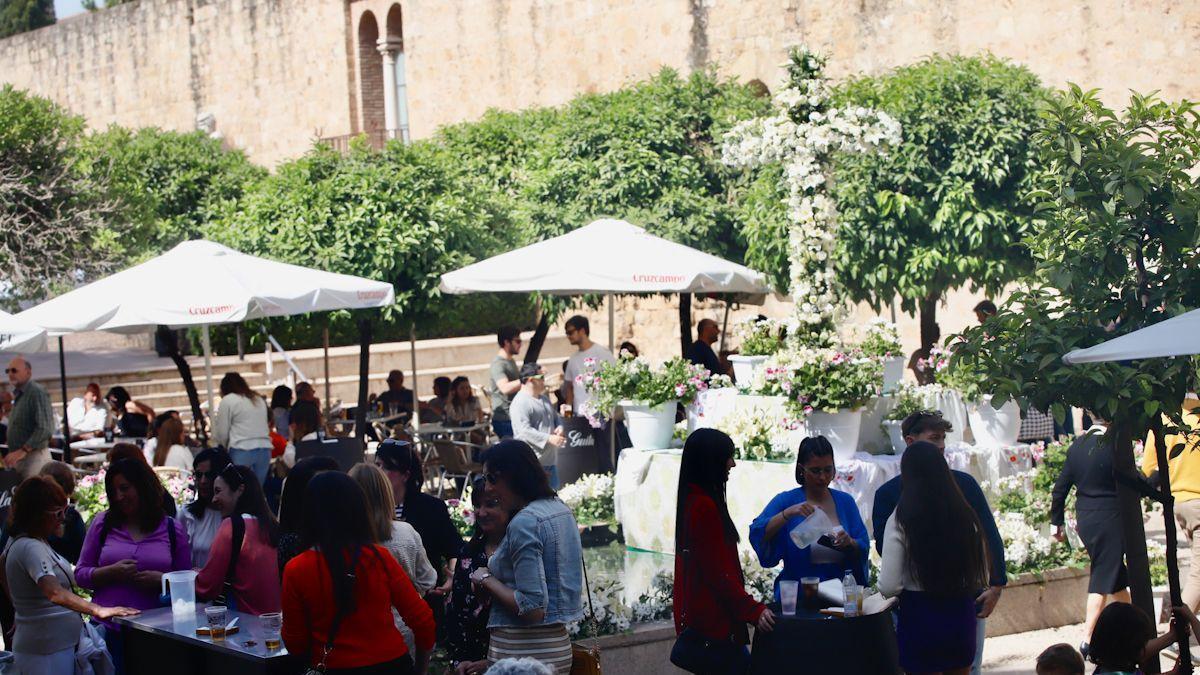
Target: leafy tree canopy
19 16
947 207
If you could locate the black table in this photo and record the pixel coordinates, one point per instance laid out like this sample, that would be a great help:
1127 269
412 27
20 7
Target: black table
810 642
155 642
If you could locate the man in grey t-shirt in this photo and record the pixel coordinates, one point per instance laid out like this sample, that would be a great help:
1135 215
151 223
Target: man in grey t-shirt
504 380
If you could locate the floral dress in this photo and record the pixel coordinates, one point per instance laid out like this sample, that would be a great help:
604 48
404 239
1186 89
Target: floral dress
467 615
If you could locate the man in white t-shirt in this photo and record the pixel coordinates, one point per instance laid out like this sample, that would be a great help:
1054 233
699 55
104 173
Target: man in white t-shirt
579 334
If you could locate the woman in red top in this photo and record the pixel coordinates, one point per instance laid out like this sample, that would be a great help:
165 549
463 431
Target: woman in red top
347 586
710 604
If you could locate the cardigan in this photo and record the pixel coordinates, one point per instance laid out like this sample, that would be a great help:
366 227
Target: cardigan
367 636
710 593
256 577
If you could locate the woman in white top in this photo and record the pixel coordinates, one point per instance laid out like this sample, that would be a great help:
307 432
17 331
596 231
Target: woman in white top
396 536
241 425
935 559
201 518
169 449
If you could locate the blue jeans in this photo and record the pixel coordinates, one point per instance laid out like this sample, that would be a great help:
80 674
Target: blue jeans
503 428
258 459
552 473
980 637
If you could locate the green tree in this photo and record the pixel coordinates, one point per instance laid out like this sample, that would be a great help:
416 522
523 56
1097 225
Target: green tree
947 207
399 215
1119 249
19 16
56 219
174 182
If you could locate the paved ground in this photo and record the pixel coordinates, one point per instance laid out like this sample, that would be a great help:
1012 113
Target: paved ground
1016 654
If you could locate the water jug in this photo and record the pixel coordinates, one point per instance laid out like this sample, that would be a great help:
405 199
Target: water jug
183 593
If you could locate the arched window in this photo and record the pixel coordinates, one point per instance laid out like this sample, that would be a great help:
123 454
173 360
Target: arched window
370 75
393 45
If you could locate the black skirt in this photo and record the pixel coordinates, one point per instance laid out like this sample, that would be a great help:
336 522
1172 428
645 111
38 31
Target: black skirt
1100 530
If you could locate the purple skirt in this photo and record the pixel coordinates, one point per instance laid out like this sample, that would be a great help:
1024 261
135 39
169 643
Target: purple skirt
935 633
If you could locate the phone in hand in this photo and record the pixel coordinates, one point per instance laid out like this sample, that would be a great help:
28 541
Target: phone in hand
826 540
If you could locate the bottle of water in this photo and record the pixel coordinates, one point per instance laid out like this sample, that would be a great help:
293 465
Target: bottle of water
850 590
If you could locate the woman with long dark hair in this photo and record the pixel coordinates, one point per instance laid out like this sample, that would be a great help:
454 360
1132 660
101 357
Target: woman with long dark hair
131 545
130 418
935 560
281 406
201 517
535 577
170 450
291 505
241 425
468 610
338 596
243 564
710 602
40 582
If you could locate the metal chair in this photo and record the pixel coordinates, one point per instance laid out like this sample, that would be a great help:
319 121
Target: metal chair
456 462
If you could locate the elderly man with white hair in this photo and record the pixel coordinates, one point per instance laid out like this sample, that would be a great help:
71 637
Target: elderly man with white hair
31 422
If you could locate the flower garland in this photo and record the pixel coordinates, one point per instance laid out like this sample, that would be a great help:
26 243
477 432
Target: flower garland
804 134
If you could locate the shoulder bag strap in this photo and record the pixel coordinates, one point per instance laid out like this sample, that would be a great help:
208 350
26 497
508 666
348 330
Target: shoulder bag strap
235 551
338 615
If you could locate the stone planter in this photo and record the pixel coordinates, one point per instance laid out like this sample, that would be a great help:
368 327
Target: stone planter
841 428
893 373
646 650
892 427
1034 601
650 428
993 427
745 367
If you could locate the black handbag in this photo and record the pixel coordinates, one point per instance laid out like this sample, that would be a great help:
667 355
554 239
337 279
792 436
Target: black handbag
696 653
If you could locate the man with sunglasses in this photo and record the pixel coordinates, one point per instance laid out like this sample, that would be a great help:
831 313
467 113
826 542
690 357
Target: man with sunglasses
535 422
504 380
31 422
931 427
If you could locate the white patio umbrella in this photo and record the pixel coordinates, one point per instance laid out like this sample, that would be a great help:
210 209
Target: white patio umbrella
17 335
606 256
201 283
1177 336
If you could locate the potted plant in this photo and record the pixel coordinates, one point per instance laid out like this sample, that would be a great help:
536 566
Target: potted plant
991 425
648 397
908 401
760 436
881 340
758 339
828 388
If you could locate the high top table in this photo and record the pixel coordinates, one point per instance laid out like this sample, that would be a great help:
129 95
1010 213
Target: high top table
811 642
155 642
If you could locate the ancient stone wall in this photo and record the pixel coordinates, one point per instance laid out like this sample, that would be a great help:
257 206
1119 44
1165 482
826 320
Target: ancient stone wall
275 73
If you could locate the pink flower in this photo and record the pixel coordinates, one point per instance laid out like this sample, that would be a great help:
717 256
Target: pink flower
589 362
680 390
808 409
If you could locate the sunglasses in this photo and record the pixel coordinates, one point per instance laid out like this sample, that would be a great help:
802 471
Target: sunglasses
10 371
821 470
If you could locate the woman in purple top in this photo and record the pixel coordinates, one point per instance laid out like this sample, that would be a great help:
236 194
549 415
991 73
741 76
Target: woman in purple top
131 545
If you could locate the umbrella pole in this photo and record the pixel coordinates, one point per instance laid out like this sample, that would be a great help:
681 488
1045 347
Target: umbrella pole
327 388
612 325
612 423
364 368
412 352
207 340
724 326
62 378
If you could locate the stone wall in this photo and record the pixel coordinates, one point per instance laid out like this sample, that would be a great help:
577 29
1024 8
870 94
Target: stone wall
274 73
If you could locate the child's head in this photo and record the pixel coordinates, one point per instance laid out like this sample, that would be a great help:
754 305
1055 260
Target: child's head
1060 659
1120 635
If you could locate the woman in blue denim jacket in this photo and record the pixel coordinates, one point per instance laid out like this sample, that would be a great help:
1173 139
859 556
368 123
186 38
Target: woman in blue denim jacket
535 577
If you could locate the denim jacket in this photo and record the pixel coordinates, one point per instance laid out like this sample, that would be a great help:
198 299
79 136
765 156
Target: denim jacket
541 559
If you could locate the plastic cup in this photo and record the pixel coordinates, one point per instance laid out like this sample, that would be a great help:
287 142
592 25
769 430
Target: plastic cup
216 622
810 586
787 596
272 626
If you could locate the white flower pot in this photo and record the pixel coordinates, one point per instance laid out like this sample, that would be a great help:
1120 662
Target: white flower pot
744 367
892 427
994 428
650 428
893 373
840 428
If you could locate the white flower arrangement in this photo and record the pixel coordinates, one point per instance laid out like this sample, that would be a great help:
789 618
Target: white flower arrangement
1024 545
803 135
590 498
880 339
758 435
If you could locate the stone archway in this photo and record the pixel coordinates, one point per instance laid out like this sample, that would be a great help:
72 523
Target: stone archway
370 75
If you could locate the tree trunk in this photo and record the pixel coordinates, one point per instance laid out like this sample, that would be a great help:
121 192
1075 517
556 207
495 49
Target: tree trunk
539 338
1133 527
1181 631
685 323
931 333
364 369
167 337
